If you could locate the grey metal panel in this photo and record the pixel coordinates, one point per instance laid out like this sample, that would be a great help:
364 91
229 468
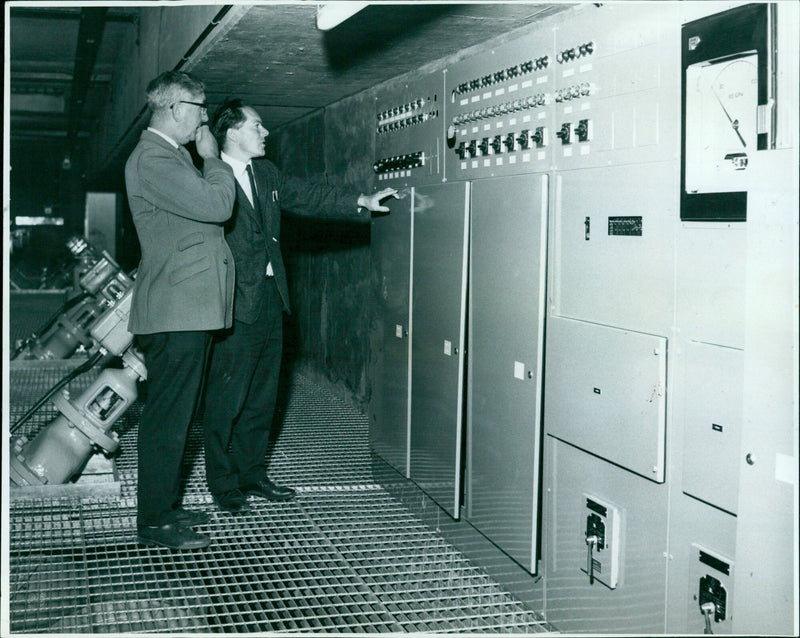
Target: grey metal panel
391 259
713 424
574 605
609 277
438 309
507 288
606 393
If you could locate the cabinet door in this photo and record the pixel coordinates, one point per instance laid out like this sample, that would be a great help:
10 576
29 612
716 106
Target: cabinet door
506 319
438 318
391 258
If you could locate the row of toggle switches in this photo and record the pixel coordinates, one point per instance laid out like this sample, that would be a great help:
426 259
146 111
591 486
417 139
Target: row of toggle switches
573 53
584 89
400 111
502 75
507 143
399 162
413 120
497 110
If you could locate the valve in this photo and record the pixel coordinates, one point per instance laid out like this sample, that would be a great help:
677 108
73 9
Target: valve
61 450
102 284
509 142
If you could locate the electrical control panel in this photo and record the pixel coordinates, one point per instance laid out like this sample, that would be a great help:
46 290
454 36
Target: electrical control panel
602 540
593 91
408 133
614 100
498 106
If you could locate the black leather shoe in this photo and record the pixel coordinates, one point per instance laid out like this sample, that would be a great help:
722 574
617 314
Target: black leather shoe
190 518
268 490
232 501
174 536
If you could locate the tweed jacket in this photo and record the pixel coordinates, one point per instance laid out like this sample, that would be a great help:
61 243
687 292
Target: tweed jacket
185 280
254 236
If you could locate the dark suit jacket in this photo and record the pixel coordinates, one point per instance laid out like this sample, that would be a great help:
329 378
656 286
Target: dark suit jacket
254 237
185 279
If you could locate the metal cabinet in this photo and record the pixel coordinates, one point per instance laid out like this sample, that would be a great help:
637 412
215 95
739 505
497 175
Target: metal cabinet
389 336
438 319
506 321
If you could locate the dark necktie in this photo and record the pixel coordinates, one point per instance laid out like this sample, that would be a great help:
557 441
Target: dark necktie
253 190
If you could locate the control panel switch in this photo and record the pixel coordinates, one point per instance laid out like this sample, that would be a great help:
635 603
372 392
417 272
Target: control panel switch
602 538
565 134
584 130
540 137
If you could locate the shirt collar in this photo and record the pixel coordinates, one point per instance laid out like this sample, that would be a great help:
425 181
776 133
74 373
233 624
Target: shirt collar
237 165
164 135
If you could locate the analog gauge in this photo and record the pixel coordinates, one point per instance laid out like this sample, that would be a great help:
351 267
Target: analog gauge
721 123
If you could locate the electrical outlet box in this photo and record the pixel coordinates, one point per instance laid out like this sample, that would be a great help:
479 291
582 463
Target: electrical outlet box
710 581
602 535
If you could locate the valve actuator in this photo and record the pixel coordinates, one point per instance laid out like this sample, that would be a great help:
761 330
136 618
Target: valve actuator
61 450
102 284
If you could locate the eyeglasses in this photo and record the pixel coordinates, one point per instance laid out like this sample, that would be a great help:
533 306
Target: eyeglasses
203 106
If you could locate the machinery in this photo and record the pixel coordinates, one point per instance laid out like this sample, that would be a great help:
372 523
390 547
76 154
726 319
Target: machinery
61 450
101 283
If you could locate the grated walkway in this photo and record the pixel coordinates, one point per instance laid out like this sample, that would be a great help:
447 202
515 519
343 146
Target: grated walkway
344 556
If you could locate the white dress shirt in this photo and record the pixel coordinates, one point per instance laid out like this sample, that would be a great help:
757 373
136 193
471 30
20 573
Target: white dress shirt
240 173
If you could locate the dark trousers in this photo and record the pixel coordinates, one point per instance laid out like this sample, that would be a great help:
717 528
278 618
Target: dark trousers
240 396
175 364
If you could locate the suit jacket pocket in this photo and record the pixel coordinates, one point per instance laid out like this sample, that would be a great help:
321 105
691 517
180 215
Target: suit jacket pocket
184 272
190 240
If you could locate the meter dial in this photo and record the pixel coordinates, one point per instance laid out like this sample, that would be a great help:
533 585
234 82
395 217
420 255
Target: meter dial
721 122
733 88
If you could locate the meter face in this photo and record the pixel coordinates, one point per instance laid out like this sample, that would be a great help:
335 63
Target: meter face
721 122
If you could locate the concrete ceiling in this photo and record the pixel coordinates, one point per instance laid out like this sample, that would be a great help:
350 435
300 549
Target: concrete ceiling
273 56
276 59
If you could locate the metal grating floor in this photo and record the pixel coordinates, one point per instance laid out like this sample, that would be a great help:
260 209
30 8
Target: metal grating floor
344 556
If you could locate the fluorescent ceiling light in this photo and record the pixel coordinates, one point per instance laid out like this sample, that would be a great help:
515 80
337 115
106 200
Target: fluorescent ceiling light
332 14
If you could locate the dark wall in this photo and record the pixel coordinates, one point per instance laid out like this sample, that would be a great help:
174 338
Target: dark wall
328 263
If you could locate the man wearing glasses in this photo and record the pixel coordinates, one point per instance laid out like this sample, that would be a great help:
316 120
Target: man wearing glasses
183 290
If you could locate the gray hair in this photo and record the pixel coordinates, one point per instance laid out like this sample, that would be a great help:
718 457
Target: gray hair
169 87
